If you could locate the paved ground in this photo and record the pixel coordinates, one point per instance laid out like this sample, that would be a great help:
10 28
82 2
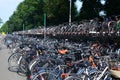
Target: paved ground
5 74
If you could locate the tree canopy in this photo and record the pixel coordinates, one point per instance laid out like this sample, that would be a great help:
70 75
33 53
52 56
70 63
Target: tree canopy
0 20
90 9
112 7
29 13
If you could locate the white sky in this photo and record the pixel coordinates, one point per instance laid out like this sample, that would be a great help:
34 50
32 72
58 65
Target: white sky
7 7
79 5
103 2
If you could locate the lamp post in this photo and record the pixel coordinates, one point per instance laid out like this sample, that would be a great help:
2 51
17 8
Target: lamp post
23 29
70 12
44 26
44 23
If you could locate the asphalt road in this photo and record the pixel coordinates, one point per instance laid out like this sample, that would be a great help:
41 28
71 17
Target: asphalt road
5 74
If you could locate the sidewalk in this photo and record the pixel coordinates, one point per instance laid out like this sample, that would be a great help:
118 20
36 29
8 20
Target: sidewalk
5 74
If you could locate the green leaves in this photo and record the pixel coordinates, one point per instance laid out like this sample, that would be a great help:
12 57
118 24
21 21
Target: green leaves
112 7
30 12
0 20
90 9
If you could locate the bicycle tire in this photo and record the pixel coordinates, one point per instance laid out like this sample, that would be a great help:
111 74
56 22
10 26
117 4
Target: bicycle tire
45 76
13 59
72 78
32 63
23 66
37 65
13 68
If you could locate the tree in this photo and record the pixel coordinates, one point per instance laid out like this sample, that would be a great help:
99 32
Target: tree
1 21
58 11
31 13
4 28
90 9
112 7
28 13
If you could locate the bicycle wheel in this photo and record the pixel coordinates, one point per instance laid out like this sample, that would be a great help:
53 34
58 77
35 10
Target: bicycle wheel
13 62
32 63
46 76
37 65
13 69
72 78
23 66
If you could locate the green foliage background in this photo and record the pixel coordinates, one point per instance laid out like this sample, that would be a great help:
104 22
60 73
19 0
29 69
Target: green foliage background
30 13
